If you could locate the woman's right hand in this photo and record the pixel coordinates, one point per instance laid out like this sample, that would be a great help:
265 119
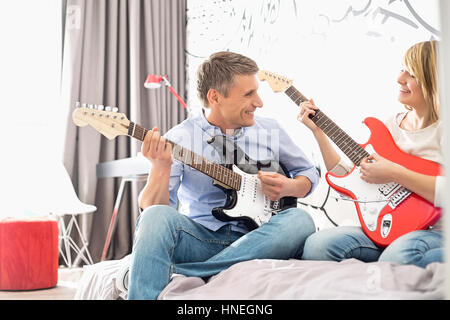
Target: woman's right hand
307 108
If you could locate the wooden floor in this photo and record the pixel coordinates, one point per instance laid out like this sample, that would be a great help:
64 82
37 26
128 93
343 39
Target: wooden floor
65 290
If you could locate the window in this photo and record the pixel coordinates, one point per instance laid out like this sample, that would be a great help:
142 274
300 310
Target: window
32 126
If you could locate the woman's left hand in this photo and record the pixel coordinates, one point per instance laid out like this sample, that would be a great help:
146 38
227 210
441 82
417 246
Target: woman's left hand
376 169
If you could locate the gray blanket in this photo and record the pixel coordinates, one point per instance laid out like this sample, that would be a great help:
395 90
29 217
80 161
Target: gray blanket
296 279
280 279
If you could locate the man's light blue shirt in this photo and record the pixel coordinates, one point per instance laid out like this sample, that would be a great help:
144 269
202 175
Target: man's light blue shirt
195 192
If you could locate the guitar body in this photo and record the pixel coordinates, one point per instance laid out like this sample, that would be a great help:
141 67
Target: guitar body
248 204
387 211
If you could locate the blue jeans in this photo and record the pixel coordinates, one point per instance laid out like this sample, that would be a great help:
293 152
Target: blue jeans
168 242
419 247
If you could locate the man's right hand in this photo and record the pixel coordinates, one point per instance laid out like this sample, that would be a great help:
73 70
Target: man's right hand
156 149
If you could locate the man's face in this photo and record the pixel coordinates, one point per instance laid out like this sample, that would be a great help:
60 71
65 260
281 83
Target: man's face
238 108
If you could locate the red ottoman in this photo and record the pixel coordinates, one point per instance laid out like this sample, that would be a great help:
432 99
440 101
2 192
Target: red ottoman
28 253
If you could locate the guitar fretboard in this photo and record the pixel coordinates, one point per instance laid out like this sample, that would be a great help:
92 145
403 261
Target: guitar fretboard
225 176
349 146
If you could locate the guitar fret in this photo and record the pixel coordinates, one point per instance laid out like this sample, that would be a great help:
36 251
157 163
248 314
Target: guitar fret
360 154
327 126
184 156
222 175
320 122
228 178
295 95
344 143
202 168
136 131
215 170
191 158
352 154
363 154
218 173
198 163
225 177
340 136
298 101
298 97
333 131
290 91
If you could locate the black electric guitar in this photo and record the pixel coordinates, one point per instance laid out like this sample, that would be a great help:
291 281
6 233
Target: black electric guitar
245 199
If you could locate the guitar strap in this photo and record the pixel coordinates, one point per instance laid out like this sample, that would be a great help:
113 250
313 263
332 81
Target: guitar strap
227 149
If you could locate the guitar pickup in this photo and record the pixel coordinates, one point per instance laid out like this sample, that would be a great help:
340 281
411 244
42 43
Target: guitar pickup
388 188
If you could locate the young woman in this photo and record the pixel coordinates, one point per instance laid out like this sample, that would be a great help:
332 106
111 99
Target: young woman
416 131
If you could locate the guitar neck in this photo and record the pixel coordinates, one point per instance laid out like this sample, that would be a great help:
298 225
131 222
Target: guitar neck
226 177
349 146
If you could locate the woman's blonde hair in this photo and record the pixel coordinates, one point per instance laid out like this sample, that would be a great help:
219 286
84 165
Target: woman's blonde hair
421 62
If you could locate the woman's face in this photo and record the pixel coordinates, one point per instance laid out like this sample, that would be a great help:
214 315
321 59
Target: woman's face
410 93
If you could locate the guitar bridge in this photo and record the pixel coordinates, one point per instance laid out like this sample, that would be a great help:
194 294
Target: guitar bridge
398 197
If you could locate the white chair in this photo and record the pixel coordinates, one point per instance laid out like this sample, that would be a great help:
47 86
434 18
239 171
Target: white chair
62 202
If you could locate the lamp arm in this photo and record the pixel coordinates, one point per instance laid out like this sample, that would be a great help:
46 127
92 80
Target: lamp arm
178 97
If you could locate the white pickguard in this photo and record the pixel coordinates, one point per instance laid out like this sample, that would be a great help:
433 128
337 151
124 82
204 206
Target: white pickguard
251 201
371 197
370 200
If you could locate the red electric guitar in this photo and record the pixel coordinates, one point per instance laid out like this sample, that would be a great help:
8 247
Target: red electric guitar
385 211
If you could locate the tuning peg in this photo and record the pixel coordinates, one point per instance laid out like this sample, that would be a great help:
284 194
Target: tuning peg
107 108
84 105
115 109
90 106
101 107
77 104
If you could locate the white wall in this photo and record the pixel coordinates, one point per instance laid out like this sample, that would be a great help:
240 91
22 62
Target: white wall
346 54
444 78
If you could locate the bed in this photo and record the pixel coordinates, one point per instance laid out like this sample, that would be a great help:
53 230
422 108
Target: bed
285 279
279 279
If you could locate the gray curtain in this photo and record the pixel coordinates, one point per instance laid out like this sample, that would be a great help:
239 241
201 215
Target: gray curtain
109 48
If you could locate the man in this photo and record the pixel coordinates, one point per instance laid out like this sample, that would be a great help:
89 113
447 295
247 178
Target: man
194 242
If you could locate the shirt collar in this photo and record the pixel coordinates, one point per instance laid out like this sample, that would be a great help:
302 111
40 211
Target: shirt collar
214 130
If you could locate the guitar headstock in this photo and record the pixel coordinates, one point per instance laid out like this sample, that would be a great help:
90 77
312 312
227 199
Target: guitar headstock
276 82
107 121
